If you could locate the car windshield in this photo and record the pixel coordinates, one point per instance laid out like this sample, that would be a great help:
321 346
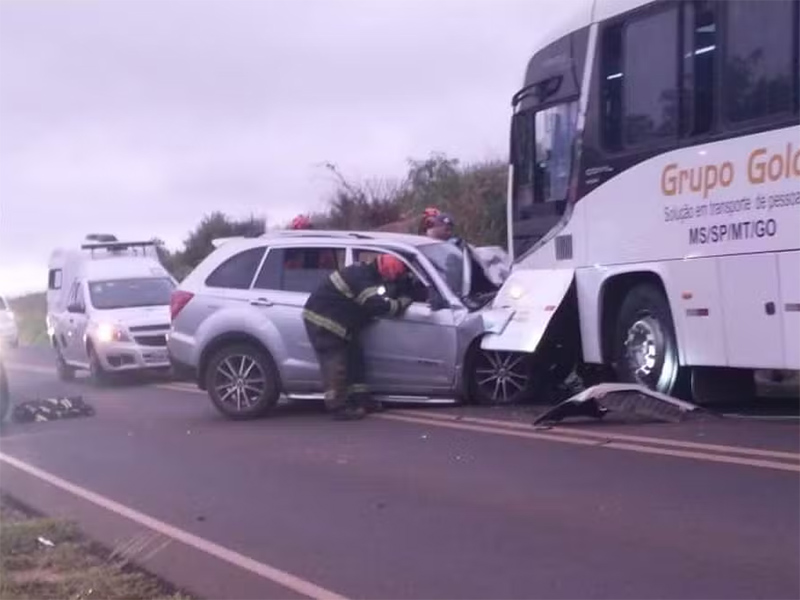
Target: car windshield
448 259
129 293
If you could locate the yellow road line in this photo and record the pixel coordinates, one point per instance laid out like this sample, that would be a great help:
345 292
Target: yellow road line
612 436
511 432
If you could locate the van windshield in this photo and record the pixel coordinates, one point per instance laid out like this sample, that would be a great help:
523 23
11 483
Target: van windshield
130 293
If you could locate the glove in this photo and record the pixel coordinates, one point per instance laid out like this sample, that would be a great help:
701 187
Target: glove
404 302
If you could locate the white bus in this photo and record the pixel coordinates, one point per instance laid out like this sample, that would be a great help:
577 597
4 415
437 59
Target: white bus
655 181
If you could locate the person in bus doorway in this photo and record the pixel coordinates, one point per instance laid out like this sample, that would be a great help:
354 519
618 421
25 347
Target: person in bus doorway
440 227
335 315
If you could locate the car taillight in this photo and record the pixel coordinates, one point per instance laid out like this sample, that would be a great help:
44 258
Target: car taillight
178 300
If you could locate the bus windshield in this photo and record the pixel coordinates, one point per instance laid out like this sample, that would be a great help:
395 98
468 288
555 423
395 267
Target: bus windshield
541 149
541 156
554 130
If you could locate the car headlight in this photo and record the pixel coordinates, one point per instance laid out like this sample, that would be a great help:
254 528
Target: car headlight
106 332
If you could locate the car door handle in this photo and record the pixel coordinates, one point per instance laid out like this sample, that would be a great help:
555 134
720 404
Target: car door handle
261 302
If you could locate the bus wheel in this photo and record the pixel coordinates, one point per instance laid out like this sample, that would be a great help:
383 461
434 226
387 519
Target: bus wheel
645 345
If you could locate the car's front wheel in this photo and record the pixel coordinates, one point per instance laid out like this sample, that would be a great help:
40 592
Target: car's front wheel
98 374
496 377
64 371
242 381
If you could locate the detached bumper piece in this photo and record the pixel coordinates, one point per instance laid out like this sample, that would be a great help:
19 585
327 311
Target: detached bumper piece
598 400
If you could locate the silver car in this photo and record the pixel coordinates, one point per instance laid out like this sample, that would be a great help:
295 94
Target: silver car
237 328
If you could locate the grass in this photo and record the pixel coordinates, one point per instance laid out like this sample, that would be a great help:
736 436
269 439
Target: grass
43 558
30 311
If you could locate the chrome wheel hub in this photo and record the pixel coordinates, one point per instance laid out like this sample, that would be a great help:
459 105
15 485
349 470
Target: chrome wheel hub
239 381
502 376
644 347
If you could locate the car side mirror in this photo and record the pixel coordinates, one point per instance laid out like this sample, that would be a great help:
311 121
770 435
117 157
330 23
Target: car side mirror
436 300
75 308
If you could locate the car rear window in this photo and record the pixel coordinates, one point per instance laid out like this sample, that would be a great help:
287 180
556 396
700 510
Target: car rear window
298 269
237 271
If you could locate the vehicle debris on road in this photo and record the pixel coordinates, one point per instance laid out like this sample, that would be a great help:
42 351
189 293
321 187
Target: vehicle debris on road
598 400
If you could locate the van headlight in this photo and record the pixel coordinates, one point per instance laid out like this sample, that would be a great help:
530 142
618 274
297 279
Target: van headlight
106 332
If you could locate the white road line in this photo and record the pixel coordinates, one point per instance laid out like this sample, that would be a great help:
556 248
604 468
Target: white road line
274 574
610 436
452 424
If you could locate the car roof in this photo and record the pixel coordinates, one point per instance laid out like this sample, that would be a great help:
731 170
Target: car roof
318 237
360 236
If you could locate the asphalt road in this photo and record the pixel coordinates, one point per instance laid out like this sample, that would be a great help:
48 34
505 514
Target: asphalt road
416 503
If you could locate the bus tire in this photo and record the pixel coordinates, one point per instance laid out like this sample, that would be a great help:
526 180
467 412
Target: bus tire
645 347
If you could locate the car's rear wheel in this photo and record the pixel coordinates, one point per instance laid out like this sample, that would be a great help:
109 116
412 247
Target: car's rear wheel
242 381
499 377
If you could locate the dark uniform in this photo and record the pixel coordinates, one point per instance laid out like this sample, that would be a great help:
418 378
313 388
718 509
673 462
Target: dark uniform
334 316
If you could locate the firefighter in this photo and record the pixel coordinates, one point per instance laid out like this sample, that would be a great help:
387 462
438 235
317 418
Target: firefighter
427 219
334 316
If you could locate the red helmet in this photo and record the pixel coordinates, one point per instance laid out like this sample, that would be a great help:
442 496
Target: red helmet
390 267
427 218
301 222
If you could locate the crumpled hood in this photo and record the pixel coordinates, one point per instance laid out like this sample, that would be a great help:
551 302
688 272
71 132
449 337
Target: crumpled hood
495 262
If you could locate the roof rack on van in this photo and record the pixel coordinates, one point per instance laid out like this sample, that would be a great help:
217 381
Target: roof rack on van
117 246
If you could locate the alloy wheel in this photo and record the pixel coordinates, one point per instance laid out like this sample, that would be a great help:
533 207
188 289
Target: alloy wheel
501 376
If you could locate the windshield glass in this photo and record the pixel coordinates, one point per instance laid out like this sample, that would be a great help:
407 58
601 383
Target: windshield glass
128 293
555 134
448 259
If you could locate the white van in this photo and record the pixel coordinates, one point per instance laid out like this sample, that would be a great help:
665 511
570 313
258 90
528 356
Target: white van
108 307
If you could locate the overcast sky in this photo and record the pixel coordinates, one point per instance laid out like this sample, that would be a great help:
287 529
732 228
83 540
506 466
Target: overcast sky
137 117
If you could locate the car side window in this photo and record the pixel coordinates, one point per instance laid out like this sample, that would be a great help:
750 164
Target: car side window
298 269
410 286
237 271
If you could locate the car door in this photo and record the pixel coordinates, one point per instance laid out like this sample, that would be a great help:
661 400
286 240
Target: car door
287 277
414 354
